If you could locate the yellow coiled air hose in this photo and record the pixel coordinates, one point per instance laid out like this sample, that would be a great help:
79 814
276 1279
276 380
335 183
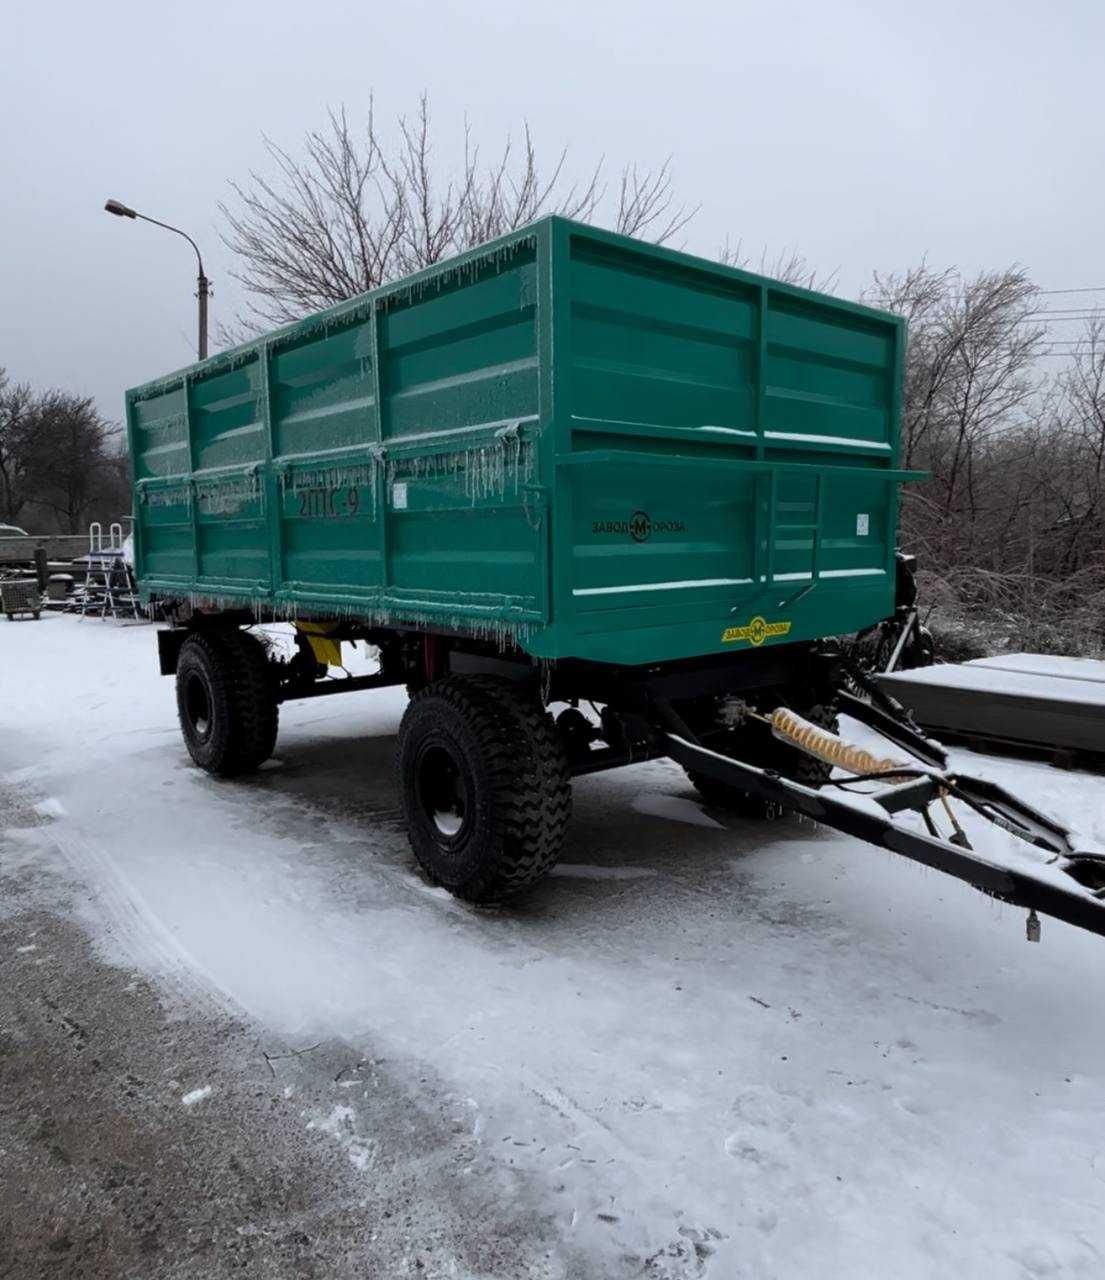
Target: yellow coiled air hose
824 745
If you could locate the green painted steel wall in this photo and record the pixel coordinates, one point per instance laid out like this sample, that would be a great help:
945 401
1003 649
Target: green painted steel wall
605 449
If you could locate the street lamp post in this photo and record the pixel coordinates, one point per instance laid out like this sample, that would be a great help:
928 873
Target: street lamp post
203 289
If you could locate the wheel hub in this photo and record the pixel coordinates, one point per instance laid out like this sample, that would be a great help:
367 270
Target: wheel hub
198 703
442 791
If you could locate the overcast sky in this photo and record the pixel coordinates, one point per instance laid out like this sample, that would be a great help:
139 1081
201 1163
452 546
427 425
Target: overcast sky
866 133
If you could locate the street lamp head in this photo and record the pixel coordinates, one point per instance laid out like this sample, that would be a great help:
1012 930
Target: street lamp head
203 291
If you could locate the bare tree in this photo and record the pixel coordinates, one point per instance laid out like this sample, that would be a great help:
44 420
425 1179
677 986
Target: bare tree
788 265
353 212
1076 471
16 439
71 465
970 382
1010 527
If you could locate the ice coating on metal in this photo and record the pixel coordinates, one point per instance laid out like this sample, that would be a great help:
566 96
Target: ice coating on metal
493 470
502 630
173 495
337 475
224 497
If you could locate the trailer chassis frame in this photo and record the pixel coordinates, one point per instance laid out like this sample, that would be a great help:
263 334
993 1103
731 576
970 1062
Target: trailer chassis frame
1076 895
1066 882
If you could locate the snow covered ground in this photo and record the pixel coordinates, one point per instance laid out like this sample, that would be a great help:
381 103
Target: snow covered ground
706 1047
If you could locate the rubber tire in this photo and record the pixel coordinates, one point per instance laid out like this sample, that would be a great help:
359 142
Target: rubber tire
234 670
516 776
770 753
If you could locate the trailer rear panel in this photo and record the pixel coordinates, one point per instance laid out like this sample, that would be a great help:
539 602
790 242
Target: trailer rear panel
601 448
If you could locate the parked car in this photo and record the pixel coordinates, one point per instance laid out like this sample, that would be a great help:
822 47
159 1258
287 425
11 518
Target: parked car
13 531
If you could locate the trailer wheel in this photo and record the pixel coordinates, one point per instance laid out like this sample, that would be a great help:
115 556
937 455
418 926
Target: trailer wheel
226 701
765 751
484 785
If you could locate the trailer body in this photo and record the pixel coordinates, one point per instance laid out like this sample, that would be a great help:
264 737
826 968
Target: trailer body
590 446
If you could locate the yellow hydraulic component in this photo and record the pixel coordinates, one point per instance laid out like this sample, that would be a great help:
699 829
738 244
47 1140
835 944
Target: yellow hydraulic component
326 651
826 746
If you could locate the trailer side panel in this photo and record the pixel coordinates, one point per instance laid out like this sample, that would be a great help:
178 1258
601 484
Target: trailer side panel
731 444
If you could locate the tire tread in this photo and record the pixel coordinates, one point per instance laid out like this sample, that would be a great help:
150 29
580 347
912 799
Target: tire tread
246 713
530 783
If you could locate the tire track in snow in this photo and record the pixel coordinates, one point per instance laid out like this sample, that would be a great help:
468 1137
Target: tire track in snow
149 943
685 1254
134 926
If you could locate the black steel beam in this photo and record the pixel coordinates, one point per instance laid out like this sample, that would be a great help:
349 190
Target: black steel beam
894 725
351 684
1077 905
609 758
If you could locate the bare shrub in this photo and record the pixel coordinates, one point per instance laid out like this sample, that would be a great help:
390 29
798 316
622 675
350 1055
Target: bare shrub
982 612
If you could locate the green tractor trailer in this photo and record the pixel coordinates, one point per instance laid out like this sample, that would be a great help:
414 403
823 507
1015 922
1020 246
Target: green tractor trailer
594 502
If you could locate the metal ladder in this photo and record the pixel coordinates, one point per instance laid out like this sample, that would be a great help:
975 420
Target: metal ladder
108 579
772 531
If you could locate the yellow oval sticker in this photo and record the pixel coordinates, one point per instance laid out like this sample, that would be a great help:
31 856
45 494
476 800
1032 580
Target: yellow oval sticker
755 632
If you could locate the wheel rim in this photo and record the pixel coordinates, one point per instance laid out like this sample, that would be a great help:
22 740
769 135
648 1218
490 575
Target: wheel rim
443 793
197 703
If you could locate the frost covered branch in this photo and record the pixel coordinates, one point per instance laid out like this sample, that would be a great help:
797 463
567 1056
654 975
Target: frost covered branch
354 210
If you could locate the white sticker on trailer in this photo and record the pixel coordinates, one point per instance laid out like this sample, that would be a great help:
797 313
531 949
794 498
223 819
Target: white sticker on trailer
399 495
863 525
